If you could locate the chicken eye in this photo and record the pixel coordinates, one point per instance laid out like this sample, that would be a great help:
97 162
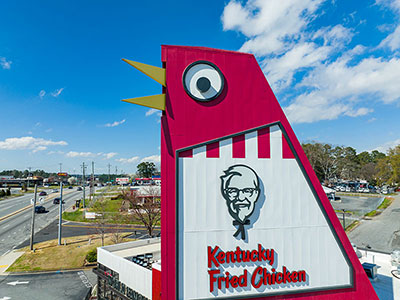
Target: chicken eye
203 81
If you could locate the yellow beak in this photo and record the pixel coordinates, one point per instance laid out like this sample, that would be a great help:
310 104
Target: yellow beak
158 74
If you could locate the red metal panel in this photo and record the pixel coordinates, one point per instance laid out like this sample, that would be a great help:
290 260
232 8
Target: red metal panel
239 146
213 150
187 153
246 102
156 284
286 151
264 145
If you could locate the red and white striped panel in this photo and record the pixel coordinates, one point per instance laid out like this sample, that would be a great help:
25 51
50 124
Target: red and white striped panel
268 142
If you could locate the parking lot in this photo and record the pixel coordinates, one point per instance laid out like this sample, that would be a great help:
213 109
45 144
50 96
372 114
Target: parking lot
358 205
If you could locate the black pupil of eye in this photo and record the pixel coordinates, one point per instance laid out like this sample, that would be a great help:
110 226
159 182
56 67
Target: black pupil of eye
203 84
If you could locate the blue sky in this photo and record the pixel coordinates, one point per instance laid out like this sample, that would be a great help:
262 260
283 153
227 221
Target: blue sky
333 65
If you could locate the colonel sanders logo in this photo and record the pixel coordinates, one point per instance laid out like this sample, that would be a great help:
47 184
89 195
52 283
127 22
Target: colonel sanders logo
241 188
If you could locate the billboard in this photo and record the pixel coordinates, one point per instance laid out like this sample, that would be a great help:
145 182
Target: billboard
247 219
243 213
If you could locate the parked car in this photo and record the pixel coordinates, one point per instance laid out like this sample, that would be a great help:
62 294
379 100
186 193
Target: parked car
57 200
79 188
70 187
40 209
42 193
54 191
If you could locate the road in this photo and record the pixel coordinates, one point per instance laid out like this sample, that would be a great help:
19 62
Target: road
15 229
47 286
382 232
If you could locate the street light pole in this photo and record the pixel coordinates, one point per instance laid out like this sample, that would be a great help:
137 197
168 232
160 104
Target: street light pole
33 217
60 214
344 220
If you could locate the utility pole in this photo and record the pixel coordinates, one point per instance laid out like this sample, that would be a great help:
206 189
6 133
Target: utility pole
83 183
92 183
29 168
116 170
60 167
344 220
109 166
60 214
33 217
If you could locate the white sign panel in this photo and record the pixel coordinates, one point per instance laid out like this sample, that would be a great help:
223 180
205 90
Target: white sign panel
252 226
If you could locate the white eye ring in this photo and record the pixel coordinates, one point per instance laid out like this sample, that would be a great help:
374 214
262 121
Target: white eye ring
203 81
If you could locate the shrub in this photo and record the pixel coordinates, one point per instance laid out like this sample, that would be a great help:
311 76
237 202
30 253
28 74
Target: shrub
8 192
91 256
2 193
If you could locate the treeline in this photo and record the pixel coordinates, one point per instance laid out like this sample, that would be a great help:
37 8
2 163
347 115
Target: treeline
332 163
26 173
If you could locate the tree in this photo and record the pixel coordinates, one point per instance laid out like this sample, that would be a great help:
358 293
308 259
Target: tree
146 169
100 208
146 206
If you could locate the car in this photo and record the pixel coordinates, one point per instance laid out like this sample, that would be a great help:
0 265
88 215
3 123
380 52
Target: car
79 188
54 191
70 187
40 209
42 193
57 200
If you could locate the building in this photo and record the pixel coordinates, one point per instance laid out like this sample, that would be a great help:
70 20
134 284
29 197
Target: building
129 271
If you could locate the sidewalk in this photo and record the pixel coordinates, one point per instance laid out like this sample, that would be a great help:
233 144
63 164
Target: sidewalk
8 259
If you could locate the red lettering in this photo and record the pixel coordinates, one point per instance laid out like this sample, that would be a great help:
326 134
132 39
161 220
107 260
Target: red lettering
254 255
238 251
302 276
261 253
221 257
235 281
220 279
279 278
246 256
230 257
211 256
243 279
294 276
254 277
271 256
212 278
286 275
227 280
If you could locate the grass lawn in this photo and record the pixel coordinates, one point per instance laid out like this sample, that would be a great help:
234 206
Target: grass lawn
49 256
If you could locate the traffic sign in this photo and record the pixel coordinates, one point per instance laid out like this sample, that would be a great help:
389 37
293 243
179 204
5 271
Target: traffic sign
62 174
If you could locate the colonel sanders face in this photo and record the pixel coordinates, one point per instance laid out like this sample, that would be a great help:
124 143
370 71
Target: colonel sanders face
240 188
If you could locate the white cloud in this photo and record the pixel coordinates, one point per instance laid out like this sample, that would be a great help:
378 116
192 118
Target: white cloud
109 155
5 64
270 25
55 152
116 123
323 77
80 154
385 147
152 158
392 41
57 92
42 93
29 143
128 160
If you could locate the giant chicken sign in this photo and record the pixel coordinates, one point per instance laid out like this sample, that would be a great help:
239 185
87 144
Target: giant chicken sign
243 214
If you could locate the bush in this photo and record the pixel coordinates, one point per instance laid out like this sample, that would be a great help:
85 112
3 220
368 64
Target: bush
92 255
2 193
8 192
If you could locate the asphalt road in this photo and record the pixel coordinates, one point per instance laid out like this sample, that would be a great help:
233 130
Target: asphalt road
15 229
47 286
382 232
359 205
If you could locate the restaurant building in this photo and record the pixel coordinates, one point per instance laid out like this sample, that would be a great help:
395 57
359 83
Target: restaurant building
129 271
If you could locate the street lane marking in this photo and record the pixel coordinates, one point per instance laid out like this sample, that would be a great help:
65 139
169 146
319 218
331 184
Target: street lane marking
3 266
14 283
6 252
8 225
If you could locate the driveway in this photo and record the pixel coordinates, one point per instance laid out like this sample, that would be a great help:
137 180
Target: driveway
381 233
